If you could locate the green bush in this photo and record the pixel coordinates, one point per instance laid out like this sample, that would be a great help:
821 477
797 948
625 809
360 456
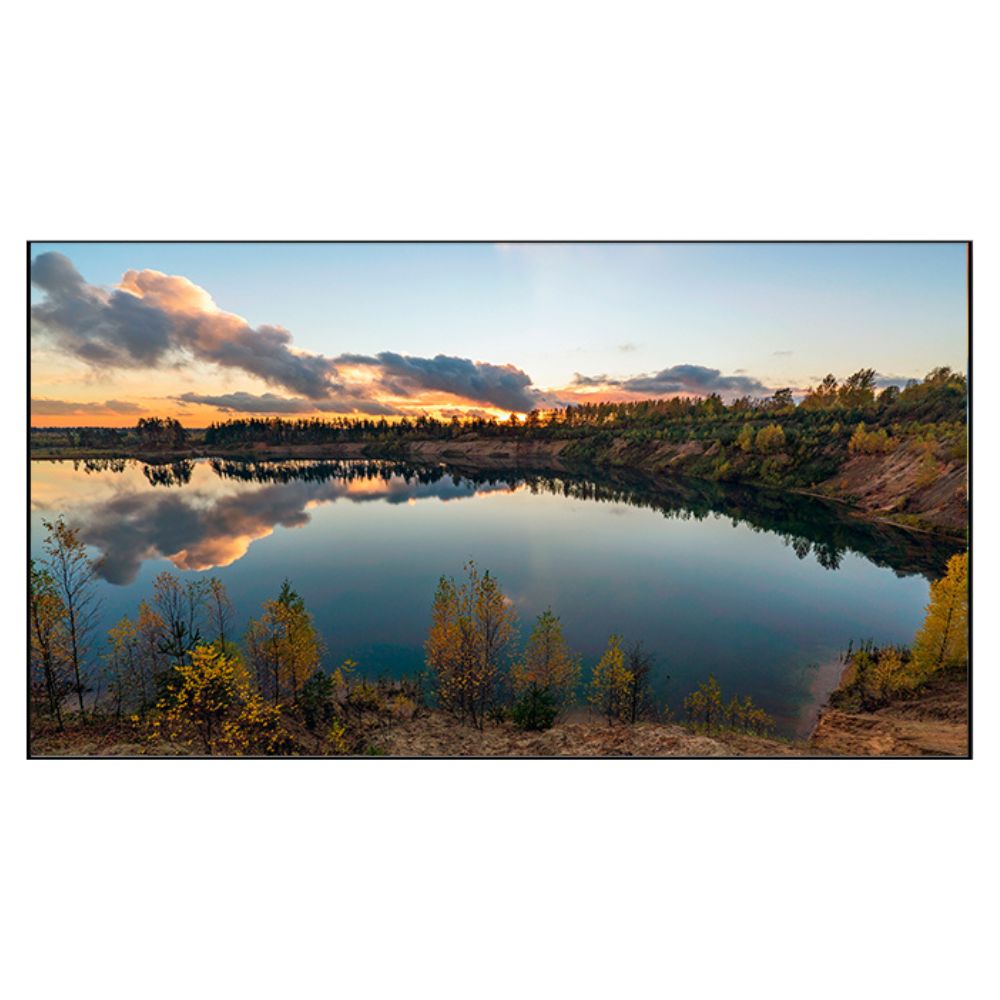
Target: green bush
535 710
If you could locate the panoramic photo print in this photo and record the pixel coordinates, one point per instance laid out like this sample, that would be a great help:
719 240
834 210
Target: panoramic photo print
499 500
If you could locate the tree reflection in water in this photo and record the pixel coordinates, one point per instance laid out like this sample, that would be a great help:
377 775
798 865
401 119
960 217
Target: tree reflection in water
198 532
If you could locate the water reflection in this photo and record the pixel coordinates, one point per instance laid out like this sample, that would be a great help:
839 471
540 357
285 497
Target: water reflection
807 524
198 530
705 596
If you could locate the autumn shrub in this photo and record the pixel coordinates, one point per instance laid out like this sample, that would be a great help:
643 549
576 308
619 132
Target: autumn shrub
255 730
769 439
865 442
402 707
201 696
875 676
535 708
365 696
929 470
336 743
958 449
211 707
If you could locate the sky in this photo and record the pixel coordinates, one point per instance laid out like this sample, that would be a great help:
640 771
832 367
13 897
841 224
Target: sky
204 332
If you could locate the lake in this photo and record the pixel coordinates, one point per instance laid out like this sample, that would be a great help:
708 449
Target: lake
762 589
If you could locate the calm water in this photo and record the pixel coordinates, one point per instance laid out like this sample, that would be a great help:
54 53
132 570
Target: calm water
761 589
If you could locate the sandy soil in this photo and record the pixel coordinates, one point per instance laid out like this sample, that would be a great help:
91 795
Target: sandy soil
887 485
436 734
935 724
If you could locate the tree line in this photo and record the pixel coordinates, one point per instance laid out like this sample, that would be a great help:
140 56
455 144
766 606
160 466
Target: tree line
772 440
940 396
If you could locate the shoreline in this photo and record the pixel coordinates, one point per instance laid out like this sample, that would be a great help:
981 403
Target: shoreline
483 454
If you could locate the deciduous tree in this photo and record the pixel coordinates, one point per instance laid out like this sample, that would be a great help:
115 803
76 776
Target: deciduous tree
74 578
611 683
220 610
770 439
51 660
547 662
180 606
284 646
943 638
471 631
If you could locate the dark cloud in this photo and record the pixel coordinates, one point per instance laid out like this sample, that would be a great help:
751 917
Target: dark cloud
783 354
503 386
65 407
268 402
579 379
627 347
884 381
694 379
152 316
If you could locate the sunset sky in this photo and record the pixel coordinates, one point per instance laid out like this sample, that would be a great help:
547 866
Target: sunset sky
208 331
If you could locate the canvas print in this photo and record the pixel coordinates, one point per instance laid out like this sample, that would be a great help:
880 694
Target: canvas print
499 499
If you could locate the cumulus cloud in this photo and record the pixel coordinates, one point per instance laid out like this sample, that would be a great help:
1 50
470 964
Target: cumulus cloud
151 316
41 407
503 386
691 379
269 402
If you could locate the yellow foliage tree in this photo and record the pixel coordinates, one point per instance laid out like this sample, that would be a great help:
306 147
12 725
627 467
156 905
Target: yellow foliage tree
888 674
547 661
611 683
284 646
865 442
208 688
744 440
703 706
213 709
472 626
49 642
943 638
770 439
128 676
